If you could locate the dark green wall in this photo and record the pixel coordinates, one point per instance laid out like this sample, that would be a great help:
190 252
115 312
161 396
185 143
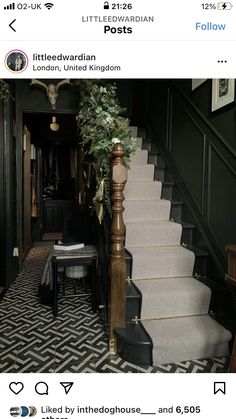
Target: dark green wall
223 120
201 149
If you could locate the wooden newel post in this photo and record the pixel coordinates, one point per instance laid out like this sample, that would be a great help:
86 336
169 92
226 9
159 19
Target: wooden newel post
118 267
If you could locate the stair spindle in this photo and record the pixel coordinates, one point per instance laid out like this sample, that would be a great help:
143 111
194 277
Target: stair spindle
118 266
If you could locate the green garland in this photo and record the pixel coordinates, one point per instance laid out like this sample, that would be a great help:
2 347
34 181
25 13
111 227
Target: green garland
101 124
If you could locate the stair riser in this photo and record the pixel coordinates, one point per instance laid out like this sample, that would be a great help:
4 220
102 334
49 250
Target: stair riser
142 190
140 157
141 172
149 210
158 266
138 235
190 297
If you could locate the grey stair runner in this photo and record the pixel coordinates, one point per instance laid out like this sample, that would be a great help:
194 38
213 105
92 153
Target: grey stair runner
174 304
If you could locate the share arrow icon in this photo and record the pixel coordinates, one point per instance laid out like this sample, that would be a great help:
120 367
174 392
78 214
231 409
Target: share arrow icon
67 386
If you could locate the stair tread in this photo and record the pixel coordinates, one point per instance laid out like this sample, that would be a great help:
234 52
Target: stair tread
187 338
145 200
167 223
141 165
144 181
200 329
160 249
158 200
175 281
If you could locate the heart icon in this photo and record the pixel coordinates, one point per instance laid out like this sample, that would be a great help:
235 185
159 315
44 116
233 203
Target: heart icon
16 388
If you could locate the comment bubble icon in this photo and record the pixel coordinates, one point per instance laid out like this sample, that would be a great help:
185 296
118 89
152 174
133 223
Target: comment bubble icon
41 388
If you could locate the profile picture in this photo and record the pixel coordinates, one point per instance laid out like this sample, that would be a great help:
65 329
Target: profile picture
24 411
16 61
15 411
32 411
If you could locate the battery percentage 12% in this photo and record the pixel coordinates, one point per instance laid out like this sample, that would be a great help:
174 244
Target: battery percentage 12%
217 6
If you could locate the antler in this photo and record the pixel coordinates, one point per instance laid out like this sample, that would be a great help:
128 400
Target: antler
39 83
61 83
51 89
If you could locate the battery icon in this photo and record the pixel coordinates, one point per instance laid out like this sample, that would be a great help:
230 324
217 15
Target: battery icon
224 6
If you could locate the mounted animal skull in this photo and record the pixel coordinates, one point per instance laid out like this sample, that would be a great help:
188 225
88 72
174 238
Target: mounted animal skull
51 89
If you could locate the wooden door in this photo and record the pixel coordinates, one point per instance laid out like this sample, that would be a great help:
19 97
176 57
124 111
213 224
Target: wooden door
26 188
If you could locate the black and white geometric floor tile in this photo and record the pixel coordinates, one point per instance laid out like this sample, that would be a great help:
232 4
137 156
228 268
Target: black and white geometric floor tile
31 340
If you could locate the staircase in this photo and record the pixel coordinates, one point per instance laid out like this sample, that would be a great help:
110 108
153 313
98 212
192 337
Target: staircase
172 323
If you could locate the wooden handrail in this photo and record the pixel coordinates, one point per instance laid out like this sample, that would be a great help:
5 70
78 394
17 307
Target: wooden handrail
118 268
231 281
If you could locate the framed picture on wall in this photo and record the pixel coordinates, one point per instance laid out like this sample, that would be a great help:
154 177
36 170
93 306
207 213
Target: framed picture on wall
197 82
223 93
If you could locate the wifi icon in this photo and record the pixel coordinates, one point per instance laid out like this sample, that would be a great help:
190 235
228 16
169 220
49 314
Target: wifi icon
49 5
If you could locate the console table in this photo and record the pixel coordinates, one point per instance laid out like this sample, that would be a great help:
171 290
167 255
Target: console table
86 256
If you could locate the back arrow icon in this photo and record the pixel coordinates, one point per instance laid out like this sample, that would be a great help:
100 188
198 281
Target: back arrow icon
10 25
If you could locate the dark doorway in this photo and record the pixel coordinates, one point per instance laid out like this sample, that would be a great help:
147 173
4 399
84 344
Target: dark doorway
54 172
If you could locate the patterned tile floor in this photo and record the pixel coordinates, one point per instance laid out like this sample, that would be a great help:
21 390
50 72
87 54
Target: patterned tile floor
31 340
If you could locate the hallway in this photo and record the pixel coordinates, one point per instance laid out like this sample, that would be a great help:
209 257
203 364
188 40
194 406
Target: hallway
32 341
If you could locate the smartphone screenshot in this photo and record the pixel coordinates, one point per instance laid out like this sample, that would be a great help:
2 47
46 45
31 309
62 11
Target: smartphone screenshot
118 209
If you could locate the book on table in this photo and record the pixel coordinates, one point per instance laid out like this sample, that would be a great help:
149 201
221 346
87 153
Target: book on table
68 246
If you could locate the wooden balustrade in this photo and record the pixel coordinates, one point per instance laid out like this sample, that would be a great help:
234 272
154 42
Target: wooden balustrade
231 282
118 268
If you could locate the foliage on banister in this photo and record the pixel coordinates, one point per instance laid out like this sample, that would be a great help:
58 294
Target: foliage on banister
100 123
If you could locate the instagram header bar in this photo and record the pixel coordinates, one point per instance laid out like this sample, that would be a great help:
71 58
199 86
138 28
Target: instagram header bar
130 20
